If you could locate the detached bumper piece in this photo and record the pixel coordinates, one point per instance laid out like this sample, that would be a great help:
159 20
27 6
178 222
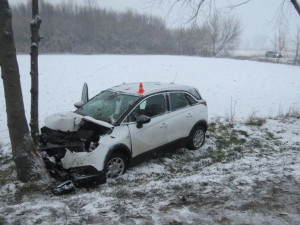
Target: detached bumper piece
63 188
86 176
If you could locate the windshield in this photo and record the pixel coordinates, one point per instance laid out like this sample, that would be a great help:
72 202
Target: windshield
107 106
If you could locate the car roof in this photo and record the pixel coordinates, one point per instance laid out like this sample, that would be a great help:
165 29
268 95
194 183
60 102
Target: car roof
151 88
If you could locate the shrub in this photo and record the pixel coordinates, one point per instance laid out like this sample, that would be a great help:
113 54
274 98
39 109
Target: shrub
293 113
255 121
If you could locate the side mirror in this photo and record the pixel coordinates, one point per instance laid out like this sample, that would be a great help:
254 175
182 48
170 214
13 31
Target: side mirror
78 104
85 93
142 119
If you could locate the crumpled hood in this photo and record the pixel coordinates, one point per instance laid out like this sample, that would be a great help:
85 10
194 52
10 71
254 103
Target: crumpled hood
70 121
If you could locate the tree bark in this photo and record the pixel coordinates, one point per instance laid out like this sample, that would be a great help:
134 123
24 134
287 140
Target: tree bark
296 6
35 39
30 166
297 42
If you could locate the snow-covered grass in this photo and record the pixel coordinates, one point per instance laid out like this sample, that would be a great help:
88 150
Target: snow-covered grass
247 172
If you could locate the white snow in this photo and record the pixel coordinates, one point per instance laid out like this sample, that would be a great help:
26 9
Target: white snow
251 182
63 121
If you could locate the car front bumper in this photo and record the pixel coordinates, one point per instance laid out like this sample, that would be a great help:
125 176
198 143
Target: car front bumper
85 176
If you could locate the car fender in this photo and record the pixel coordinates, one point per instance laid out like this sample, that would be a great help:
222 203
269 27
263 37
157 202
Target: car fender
121 148
96 158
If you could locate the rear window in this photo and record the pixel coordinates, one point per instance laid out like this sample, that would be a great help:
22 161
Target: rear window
196 94
178 101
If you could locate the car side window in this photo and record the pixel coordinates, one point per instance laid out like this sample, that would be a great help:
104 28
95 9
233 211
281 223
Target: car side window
152 106
178 101
191 100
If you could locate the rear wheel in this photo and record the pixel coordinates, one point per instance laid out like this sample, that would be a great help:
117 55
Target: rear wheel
115 166
196 138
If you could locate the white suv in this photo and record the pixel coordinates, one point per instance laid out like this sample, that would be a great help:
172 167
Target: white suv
122 126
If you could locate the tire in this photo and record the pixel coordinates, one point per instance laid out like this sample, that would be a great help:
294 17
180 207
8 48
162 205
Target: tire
196 138
115 166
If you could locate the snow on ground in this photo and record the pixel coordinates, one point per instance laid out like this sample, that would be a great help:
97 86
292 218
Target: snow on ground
244 174
242 87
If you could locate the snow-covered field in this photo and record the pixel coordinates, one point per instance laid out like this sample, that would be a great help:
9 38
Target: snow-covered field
244 174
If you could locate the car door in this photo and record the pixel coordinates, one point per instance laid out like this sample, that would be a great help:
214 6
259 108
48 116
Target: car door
181 116
153 134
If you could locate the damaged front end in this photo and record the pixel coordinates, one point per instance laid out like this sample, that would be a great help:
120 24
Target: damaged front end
73 132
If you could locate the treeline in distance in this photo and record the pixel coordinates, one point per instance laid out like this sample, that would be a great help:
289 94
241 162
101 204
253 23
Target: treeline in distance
69 28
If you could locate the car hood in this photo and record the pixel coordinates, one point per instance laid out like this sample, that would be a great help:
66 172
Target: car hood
70 121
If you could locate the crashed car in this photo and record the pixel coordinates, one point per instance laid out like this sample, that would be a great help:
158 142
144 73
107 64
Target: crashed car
120 127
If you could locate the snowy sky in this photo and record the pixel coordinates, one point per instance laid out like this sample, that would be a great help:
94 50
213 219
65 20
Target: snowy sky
259 17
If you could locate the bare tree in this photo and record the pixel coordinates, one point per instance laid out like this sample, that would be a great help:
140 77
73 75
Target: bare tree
84 29
91 4
191 41
280 40
223 33
35 39
197 5
218 35
29 164
297 45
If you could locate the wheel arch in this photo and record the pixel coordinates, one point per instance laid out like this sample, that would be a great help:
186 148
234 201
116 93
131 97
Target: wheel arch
190 144
201 123
119 148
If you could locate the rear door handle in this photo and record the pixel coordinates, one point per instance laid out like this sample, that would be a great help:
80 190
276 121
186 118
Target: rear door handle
189 114
163 125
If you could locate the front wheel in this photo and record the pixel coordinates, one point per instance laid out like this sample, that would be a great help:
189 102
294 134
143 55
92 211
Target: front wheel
115 166
196 138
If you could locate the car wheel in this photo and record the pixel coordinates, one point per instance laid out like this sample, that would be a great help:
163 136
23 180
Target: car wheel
196 138
115 166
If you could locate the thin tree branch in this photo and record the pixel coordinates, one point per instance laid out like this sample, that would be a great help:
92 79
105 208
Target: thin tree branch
240 4
172 6
197 11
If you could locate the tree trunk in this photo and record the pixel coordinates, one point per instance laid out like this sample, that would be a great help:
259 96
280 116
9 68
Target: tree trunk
35 39
30 166
297 42
296 55
296 5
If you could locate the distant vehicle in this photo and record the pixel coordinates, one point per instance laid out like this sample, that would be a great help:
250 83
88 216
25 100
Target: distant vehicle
119 127
272 54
